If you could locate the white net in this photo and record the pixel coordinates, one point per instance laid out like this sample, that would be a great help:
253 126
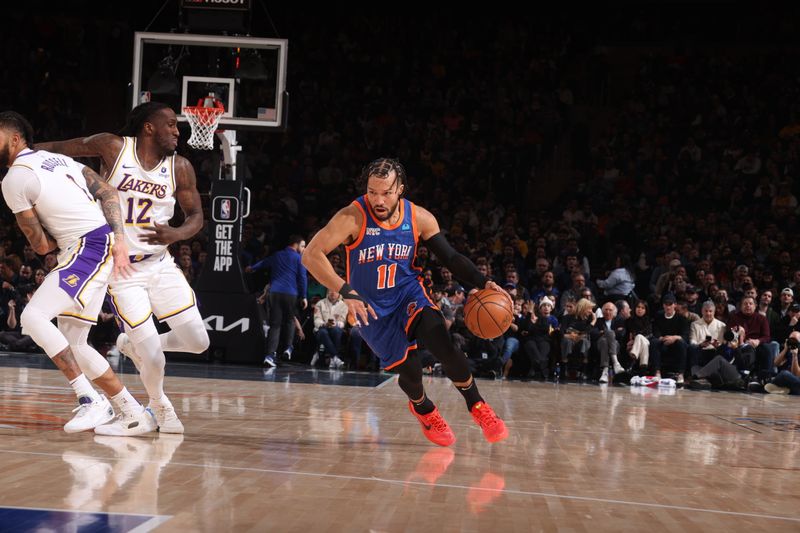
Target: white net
203 121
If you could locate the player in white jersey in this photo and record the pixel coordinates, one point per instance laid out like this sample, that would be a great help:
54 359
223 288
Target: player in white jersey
149 176
55 201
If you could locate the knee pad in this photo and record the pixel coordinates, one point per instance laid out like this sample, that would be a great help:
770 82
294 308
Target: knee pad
36 323
92 363
192 334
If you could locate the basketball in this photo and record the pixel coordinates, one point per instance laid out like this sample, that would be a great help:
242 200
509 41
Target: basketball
488 313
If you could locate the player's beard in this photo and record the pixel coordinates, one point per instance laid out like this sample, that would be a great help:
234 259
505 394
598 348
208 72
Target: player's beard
5 155
389 213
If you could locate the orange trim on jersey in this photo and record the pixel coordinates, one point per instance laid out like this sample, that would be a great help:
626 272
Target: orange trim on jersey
425 292
412 317
416 236
356 242
412 347
381 224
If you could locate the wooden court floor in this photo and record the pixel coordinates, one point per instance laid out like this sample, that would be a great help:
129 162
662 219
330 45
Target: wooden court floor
286 456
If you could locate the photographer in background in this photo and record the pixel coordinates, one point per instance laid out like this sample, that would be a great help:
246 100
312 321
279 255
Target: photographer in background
788 379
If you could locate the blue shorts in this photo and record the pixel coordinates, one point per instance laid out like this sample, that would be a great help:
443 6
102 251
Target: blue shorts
388 336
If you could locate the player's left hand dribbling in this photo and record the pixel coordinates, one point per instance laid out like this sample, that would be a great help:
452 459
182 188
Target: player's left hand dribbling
160 234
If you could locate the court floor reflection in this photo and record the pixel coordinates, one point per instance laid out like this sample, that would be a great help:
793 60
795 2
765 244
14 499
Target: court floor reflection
287 456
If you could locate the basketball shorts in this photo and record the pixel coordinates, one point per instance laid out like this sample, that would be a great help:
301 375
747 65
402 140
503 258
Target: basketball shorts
388 336
83 272
157 286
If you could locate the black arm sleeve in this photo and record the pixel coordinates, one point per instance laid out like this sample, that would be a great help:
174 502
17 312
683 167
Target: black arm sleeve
461 267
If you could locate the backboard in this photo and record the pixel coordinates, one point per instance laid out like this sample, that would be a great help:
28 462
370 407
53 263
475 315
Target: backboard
248 74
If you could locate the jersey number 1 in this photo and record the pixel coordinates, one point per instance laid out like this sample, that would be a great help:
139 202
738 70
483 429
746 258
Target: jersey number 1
383 282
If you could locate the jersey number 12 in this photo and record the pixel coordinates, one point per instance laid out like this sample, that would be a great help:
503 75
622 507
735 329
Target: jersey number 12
142 218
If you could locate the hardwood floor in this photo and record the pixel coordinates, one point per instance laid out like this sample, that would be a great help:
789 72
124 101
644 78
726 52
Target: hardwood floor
281 455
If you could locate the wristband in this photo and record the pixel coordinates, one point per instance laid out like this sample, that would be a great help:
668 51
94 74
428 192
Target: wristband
348 293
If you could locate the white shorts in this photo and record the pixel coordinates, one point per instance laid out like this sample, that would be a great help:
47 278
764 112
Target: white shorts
157 286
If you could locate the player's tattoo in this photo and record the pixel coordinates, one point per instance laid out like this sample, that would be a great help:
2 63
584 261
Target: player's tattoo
31 227
109 199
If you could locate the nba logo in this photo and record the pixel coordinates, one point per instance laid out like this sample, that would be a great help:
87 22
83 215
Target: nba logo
225 210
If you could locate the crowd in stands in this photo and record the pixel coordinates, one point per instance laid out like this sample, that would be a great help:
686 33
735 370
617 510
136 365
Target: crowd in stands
674 251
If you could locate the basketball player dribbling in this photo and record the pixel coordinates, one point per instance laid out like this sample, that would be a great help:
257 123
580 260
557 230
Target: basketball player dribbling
55 201
143 166
383 292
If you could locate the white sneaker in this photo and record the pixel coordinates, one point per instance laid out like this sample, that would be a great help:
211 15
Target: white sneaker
679 379
90 414
125 347
314 359
336 362
604 375
129 425
166 417
775 389
618 369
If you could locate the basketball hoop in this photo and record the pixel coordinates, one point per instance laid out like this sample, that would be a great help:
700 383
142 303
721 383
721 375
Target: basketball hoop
203 120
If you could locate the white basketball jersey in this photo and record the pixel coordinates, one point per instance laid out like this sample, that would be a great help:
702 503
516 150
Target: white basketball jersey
146 196
54 186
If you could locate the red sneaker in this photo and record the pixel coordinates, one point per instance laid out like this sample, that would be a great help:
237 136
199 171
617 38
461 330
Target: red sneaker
434 427
493 428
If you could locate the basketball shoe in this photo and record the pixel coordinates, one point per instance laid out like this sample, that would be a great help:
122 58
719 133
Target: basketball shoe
90 414
125 347
494 429
434 427
168 421
129 424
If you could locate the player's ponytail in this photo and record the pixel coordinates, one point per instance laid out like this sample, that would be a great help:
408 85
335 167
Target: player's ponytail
138 116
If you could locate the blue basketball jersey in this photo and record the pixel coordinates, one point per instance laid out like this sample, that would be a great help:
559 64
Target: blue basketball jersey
380 261
380 267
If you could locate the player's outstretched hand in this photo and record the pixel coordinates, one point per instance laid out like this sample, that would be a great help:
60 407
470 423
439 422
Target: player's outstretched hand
122 263
160 234
360 310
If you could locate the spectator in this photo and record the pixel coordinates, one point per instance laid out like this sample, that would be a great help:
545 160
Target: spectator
288 283
639 328
706 337
671 336
330 315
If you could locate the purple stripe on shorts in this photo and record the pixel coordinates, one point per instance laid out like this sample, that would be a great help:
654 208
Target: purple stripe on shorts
97 245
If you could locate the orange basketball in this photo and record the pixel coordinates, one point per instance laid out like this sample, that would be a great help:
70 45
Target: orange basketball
488 313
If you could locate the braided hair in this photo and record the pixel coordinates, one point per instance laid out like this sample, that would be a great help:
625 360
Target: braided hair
137 117
381 168
12 120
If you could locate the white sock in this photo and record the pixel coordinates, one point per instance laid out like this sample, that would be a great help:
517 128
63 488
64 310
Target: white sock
126 403
83 387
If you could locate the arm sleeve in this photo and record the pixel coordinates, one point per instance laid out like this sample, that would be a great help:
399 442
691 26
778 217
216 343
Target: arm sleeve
461 267
21 188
